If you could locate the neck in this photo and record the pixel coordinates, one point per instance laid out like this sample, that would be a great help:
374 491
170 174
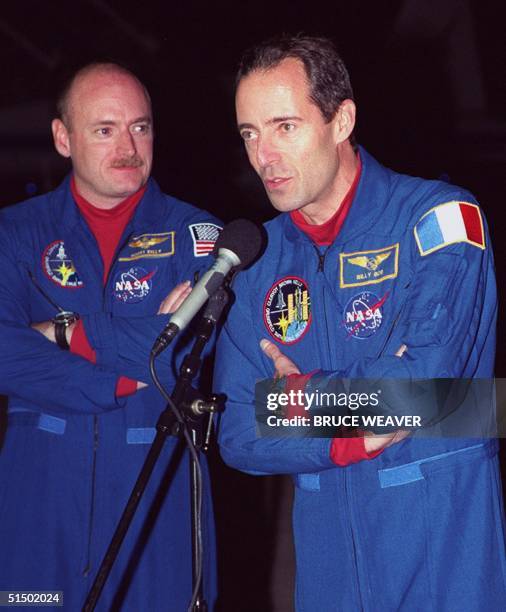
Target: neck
101 202
319 212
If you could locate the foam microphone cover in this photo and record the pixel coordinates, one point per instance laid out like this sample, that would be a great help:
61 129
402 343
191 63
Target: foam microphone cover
243 238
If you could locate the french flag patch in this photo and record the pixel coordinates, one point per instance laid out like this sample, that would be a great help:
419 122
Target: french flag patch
447 224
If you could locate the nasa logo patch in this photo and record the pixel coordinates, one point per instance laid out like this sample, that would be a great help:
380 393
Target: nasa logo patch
58 267
133 285
287 310
363 315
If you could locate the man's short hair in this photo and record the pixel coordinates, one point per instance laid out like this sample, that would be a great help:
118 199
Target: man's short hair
62 101
326 73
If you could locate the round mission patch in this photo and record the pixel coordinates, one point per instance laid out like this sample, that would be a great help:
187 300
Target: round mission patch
59 267
287 310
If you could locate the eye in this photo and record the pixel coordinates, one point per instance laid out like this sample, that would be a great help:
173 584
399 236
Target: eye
287 127
248 135
103 131
141 128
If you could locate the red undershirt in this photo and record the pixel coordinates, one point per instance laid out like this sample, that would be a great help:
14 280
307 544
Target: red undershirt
343 451
326 233
107 225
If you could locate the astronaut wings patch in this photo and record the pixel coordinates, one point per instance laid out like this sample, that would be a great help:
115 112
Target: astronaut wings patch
449 223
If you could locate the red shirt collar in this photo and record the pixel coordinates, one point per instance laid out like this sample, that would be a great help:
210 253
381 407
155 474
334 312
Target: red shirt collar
88 209
327 232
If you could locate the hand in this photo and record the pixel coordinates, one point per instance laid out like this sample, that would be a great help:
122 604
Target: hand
46 328
373 442
175 298
284 365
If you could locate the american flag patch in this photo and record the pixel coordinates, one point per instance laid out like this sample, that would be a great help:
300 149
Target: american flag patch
204 235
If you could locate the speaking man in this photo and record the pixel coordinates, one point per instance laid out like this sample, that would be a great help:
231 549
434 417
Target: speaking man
367 274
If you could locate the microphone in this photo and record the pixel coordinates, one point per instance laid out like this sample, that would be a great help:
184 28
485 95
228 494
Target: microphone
237 247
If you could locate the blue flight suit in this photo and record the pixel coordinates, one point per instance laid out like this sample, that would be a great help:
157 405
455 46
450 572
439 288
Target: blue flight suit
73 450
420 527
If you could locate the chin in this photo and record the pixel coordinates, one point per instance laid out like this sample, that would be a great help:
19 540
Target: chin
286 207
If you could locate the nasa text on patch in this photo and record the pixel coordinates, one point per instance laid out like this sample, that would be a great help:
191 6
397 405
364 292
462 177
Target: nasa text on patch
133 285
368 267
59 267
151 246
204 235
363 314
287 309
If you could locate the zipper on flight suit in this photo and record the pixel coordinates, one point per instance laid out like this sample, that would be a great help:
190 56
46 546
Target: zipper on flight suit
87 567
320 268
347 494
321 258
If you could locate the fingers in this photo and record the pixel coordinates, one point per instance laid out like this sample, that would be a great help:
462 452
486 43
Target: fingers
401 350
175 298
375 442
270 349
284 365
46 328
400 434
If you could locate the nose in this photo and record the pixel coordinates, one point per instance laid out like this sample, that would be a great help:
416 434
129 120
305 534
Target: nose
266 152
126 143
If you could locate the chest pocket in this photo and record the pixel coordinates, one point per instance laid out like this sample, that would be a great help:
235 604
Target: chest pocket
370 316
427 311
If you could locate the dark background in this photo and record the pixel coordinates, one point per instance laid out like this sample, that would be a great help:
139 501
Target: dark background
429 84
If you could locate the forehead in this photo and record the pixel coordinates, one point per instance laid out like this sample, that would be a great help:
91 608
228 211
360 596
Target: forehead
108 92
281 89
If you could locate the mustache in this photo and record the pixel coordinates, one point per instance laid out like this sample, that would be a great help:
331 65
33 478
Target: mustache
128 162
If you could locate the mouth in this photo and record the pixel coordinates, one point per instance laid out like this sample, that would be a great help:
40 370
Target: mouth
277 182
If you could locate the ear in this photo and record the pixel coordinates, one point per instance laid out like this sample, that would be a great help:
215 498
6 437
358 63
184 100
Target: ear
60 137
344 120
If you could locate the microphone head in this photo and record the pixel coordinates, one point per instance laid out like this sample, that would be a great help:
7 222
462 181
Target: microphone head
243 238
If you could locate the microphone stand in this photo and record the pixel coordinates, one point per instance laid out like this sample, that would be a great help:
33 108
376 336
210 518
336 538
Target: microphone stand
190 410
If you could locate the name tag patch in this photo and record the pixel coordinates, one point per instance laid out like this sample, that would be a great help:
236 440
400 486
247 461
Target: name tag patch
148 246
368 267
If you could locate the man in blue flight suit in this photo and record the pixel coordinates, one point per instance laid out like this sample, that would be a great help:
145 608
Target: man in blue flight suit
105 247
367 274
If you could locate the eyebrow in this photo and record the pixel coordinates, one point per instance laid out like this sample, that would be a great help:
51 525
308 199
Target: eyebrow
272 121
144 119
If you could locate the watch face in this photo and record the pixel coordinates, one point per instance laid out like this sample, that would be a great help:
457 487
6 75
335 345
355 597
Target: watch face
66 318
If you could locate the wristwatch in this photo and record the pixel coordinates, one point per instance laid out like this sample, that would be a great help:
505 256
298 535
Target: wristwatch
63 320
